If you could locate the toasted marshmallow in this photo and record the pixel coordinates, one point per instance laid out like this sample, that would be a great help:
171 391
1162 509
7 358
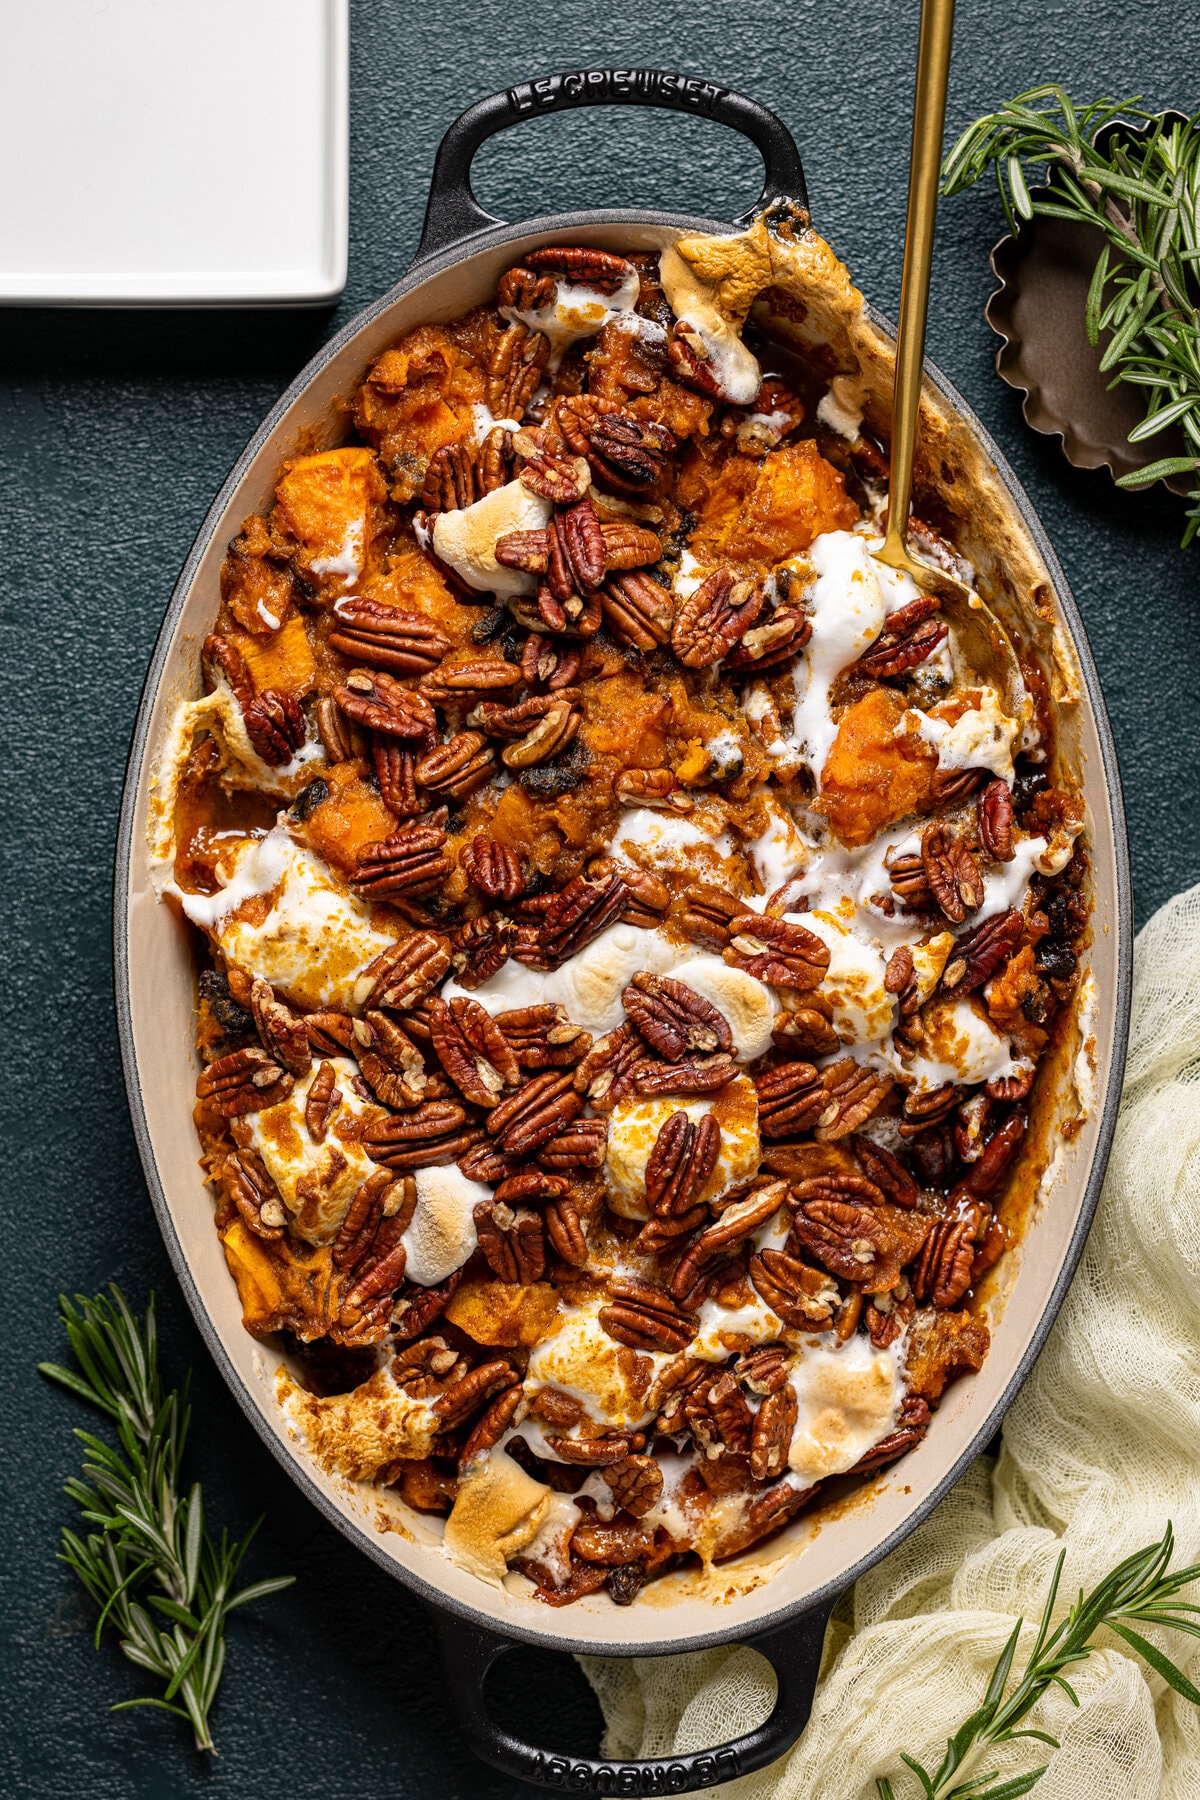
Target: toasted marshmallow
314 940
961 1045
848 1398
498 1511
465 539
442 1234
633 1131
746 1003
359 1433
853 984
584 1361
316 1182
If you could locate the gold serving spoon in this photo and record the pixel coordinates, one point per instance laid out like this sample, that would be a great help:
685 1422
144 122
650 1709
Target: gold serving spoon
981 634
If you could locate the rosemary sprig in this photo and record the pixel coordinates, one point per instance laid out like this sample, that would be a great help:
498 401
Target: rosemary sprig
1142 189
1142 1588
152 1548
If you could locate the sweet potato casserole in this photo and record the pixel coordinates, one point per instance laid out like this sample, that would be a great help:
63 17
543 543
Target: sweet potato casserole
630 919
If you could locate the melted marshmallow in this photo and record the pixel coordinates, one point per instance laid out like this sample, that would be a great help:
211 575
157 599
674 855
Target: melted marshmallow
465 539
442 1234
589 985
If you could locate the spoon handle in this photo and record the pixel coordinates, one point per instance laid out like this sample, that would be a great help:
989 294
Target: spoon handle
929 121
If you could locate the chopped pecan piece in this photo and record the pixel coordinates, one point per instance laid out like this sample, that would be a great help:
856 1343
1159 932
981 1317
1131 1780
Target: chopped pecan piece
330 1033
711 620
791 1098
951 872
853 1093
458 767
995 813
532 1187
552 664
275 726
771 1440
283 1032
417 1307
911 634
411 862
254 1194
245 1081
681 1162
427 1367
379 702
646 1318
472 1049
674 1019
547 471
636 1484
764 646
777 951
868 1245
383 637
533 1115
763 1371
978 954
321 1102
405 973
808 1029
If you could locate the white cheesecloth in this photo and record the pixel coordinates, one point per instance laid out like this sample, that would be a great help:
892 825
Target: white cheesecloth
1100 1450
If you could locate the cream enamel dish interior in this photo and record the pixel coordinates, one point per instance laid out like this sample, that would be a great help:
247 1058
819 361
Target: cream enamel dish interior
155 982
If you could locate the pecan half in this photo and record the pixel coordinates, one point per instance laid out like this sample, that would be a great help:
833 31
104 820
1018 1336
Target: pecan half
674 1019
579 1145
418 1307
979 953
911 634
254 1194
546 471
803 1297
707 915
564 1228
283 1032
578 913
467 683
771 1439
951 872
736 1223
629 546
694 1075
683 1158
405 973
943 1272
461 1399
330 1033
988 1170
791 1098
912 1424
636 1484
501 720
493 868
245 1081
429 1136
514 370
549 663
777 951
522 291
449 479
590 1453
542 1037
646 1318
886 1171
482 946
341 739
994 810
763 1371
764 646
532 1187
720 1418
395 771
907 876
610 1059
550 735
472 1049
380 703
275 726
853 1093
868 1245
383 637
582 265
533 1115
513 1245
638 611
218 658
458 767
711 620
357 1231
411 862
808 1029
486 1434
321 1102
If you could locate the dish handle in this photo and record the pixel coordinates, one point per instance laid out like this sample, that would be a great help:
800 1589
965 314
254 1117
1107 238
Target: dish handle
453 215
793 1649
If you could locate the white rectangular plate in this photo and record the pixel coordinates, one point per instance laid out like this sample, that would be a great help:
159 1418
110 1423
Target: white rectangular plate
159 154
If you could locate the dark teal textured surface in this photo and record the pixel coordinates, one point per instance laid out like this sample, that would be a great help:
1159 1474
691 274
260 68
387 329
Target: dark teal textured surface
115 431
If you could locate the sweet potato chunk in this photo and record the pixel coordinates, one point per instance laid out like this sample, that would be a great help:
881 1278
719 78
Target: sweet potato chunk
503 1312
331 505
620 719
764 512
257 584
352 816
418 397
283 661
282 1286
942 1345
872 777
